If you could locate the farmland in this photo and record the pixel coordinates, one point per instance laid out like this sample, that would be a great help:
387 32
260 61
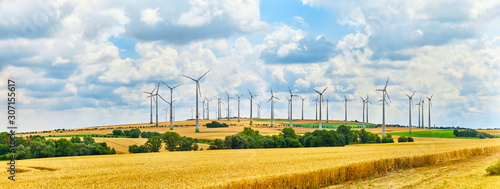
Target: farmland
304 167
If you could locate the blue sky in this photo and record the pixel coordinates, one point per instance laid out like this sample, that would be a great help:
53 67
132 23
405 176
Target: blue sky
82 64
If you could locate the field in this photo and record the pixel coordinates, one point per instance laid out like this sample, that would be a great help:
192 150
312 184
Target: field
431 133
430 160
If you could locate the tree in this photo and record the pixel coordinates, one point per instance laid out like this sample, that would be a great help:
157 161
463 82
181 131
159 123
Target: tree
154 144
217 144
118 132
135 133
288 133
41 149
88 140
75 140
65 147
22 152
171 140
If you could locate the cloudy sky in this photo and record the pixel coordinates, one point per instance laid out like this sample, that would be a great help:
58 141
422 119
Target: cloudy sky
87 63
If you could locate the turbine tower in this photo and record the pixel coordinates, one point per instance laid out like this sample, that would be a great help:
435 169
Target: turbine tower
364 102
384 93
320 100
291 106
228 97
198 91
272 106
239 105
316 108
410 104
327 102
171 103
150 104
259 106
156 99
345 107
208 107
251 105
203 108
419 104
430 98
166 114
303 106
288 106
367 101
218 108
422 106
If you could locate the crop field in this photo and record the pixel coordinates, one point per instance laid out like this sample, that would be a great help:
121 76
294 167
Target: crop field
431 133
251 168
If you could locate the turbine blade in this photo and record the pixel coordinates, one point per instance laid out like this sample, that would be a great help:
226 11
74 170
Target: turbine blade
189 77
162 98
199 88
413 93
324 90
386 83
388 96
176 86
203 75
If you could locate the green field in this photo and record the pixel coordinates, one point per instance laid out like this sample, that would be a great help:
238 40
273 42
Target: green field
433 134
333 125
95 135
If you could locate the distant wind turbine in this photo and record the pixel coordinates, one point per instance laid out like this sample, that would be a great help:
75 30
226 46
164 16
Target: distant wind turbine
303 106
430 98
251 105
316 108
151 104
156 99
320 100
422 106
291 106
239 105
171 103
364 103
327 102
419 109
228 97
384 91
272 106
259 106
345 107
198 91
410 105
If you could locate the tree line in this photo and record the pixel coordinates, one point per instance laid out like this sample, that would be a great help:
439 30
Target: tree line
38 147
135 133
173 142
471 133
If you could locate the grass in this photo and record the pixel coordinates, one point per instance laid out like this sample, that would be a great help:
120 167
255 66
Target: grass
95 135
432 134
494 169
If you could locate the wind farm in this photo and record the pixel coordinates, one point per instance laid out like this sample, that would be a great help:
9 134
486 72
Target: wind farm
250 94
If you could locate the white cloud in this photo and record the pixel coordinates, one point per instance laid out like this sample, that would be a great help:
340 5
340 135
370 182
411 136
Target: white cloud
150 16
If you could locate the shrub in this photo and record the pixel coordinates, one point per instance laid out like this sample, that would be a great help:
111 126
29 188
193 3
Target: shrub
154 144
402 139
410 139
494 169
118 132
216 124
387 139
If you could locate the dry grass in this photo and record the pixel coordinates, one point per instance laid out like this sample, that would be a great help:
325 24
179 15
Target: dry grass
254 168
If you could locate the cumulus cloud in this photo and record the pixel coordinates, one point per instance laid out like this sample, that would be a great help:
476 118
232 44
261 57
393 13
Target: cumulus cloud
150 16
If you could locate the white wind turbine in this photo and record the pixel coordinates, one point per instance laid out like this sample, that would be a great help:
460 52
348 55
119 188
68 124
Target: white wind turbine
320 100
156 99
251 105
203 108
327 102
171 103
291 106
419 104
198 91
272 106
410 105
288 106
316 108
345 107
219 102
259 106
384 90
367 101
303 106
430 98
422 106
150 104
228 97
208 107
239 105
364 102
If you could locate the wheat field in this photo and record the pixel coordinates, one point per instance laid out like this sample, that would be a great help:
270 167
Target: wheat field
249 168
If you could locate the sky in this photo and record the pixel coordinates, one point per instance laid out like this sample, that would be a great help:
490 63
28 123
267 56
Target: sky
86 63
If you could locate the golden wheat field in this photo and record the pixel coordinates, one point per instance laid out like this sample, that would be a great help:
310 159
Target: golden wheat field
250 168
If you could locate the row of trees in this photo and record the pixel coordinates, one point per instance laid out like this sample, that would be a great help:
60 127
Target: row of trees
471 133
38 147
173 142
132 133
216 124
249 138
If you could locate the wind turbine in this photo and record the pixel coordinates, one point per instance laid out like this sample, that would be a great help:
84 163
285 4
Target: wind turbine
192 112
364 102
303 106
367 101
251 105
410 104
430 110
259 105
316 108
239 105
288 106
384 93
203 109
422 106
208 107
218 108
228 105
198 91
419 104
291 106
166 114
156 99
151 104
272 106
320 100
345 98
327 102
171 103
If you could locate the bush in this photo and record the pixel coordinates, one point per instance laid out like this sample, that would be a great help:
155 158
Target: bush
216 124
410 139
154 144
494 169
387 139
217 144
402 139
118 132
